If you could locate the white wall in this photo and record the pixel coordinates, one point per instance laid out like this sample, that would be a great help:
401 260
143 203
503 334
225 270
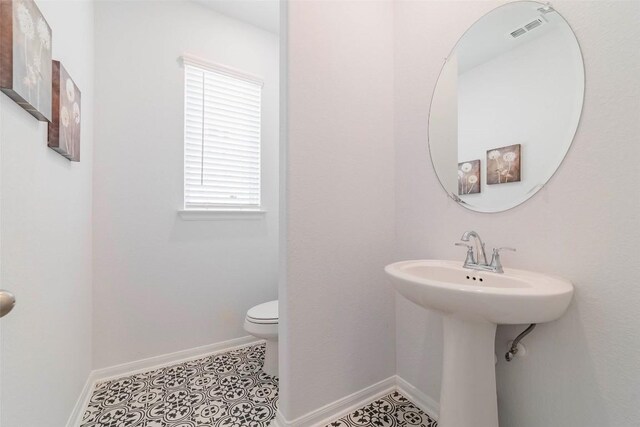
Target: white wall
163 284
545 78
581 370
339 320
46 243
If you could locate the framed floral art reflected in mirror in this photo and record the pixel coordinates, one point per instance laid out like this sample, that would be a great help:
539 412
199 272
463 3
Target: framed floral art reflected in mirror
469 177
503 165
25 57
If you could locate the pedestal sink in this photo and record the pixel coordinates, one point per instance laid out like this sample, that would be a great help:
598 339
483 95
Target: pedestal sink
473 303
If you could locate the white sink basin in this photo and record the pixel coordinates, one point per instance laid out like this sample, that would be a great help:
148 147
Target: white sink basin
473 303
514 297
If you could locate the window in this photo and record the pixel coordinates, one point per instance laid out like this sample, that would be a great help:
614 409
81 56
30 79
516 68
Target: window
221 138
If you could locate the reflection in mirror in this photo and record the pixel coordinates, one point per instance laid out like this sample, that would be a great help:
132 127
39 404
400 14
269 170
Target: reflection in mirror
506 106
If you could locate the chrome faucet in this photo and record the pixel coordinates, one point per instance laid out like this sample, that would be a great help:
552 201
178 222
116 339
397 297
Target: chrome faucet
470 262
479 245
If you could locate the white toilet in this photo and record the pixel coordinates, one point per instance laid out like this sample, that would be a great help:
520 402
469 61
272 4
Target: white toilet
262 322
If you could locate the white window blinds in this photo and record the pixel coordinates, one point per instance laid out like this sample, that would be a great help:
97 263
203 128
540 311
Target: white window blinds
222 139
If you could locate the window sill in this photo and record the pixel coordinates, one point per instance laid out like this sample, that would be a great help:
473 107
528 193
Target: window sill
220 214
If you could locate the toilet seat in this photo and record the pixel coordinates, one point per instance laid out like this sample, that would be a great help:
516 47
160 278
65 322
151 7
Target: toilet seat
261 321
264 314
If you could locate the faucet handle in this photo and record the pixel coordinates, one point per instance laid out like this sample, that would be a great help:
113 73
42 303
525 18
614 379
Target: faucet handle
496 264
471 259
496 251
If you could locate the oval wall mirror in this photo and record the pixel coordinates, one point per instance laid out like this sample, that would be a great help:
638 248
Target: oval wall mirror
506 106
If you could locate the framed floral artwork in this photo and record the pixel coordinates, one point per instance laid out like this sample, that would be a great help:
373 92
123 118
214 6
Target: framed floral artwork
469 177
25 57
503 165
64 128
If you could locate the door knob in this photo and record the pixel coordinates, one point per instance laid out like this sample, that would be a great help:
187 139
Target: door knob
7 302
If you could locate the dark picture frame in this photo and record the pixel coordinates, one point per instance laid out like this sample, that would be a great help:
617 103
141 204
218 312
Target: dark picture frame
503 164
25 57
469 177
65 125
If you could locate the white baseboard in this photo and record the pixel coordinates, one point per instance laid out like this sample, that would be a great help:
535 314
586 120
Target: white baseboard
340 407
83 401
150 363
348 404
418 397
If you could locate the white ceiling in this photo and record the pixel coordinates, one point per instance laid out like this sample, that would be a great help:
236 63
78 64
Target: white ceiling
263 14
490 36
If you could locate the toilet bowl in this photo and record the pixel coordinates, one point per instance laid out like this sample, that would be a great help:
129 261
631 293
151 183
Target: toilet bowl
262 322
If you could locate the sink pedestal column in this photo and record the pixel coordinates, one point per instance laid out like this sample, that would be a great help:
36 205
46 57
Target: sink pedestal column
468 396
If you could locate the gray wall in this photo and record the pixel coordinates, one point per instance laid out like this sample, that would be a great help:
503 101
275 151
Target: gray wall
583 369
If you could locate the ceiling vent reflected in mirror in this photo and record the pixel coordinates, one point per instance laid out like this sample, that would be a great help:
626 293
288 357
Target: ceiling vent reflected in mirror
530 26
533 24
518 32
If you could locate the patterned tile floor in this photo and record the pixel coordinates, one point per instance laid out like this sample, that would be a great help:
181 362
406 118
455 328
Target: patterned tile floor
393 410
221 390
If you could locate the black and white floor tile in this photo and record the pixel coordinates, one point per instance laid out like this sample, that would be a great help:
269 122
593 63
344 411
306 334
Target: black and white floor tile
393 410
222 390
